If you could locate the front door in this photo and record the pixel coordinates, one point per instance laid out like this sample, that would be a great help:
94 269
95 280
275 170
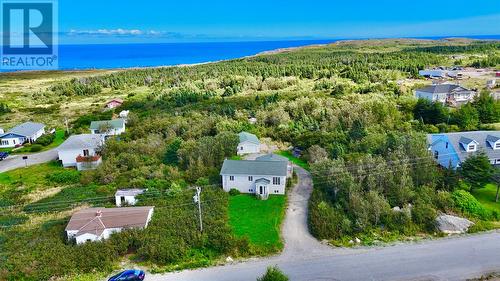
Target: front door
262 189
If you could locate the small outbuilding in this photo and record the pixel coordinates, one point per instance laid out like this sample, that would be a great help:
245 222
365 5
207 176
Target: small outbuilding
249 143
127 196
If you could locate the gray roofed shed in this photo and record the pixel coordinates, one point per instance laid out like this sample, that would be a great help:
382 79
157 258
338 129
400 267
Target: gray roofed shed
245 136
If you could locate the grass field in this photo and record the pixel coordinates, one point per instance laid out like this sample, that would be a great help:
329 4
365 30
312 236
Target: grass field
29 177
487 197
258 220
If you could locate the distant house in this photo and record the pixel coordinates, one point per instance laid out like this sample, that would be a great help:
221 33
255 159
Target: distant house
249 143
27 132
451 149
95 224
127 196
81 151
255 176
108 127
442 72
490 84
114 103
450 94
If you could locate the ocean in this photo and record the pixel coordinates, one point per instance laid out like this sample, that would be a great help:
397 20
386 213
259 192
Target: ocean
111 56
163 54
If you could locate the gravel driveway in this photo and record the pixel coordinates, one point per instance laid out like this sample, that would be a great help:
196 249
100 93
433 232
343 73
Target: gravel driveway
16 161
305 259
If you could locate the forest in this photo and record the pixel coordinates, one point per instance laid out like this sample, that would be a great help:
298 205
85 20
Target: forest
348 106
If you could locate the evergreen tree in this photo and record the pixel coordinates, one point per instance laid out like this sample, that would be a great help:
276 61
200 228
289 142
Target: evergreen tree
477 170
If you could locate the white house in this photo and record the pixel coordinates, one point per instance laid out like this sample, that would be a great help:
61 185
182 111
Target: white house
446 93
95 224
254 176
249 143
25 132
124 114
127 196
81 151
108 127
451 149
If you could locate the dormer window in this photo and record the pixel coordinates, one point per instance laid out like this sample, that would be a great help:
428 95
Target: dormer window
471 147
497 145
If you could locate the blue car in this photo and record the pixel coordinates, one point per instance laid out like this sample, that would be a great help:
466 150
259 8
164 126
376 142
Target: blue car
129 275
3 155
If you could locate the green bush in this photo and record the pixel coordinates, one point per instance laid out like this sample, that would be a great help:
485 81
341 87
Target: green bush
66 176
234 192
45 139
469 205
273 274
36 148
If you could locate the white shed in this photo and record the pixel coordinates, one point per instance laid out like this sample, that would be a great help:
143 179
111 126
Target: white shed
249 143
127 196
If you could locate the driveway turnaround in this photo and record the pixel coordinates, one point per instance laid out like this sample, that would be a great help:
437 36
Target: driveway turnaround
305 259
16 161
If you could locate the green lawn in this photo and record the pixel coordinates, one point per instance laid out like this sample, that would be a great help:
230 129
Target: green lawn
30 176
295 160
258 220
487 197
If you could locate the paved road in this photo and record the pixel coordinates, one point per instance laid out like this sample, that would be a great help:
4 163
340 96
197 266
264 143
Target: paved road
16 161
305 259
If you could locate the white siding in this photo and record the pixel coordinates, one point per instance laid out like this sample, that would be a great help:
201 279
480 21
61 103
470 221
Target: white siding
244 185
111 132
248 147
68 157
129 200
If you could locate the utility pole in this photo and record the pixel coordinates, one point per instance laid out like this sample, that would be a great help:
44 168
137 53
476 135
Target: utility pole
197 199
66 123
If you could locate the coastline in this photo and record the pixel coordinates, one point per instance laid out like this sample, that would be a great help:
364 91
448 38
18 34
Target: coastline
259 53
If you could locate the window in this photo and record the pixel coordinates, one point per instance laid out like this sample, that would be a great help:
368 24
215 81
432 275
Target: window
250 190
231 178
250 178
497 161
471 147
241 148
436 154
5 142
497 145
276 180
86 152
276 191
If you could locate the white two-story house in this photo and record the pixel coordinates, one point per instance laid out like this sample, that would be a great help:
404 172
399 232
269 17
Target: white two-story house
254 176
451 149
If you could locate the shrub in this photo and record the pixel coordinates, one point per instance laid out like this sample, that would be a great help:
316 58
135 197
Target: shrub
234 192
468 204
273 274
36 148
45 139
66 176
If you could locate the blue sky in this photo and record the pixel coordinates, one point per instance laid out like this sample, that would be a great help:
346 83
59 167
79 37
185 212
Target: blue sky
112 21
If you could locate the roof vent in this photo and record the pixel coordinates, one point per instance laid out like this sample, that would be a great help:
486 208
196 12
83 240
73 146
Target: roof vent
98 213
